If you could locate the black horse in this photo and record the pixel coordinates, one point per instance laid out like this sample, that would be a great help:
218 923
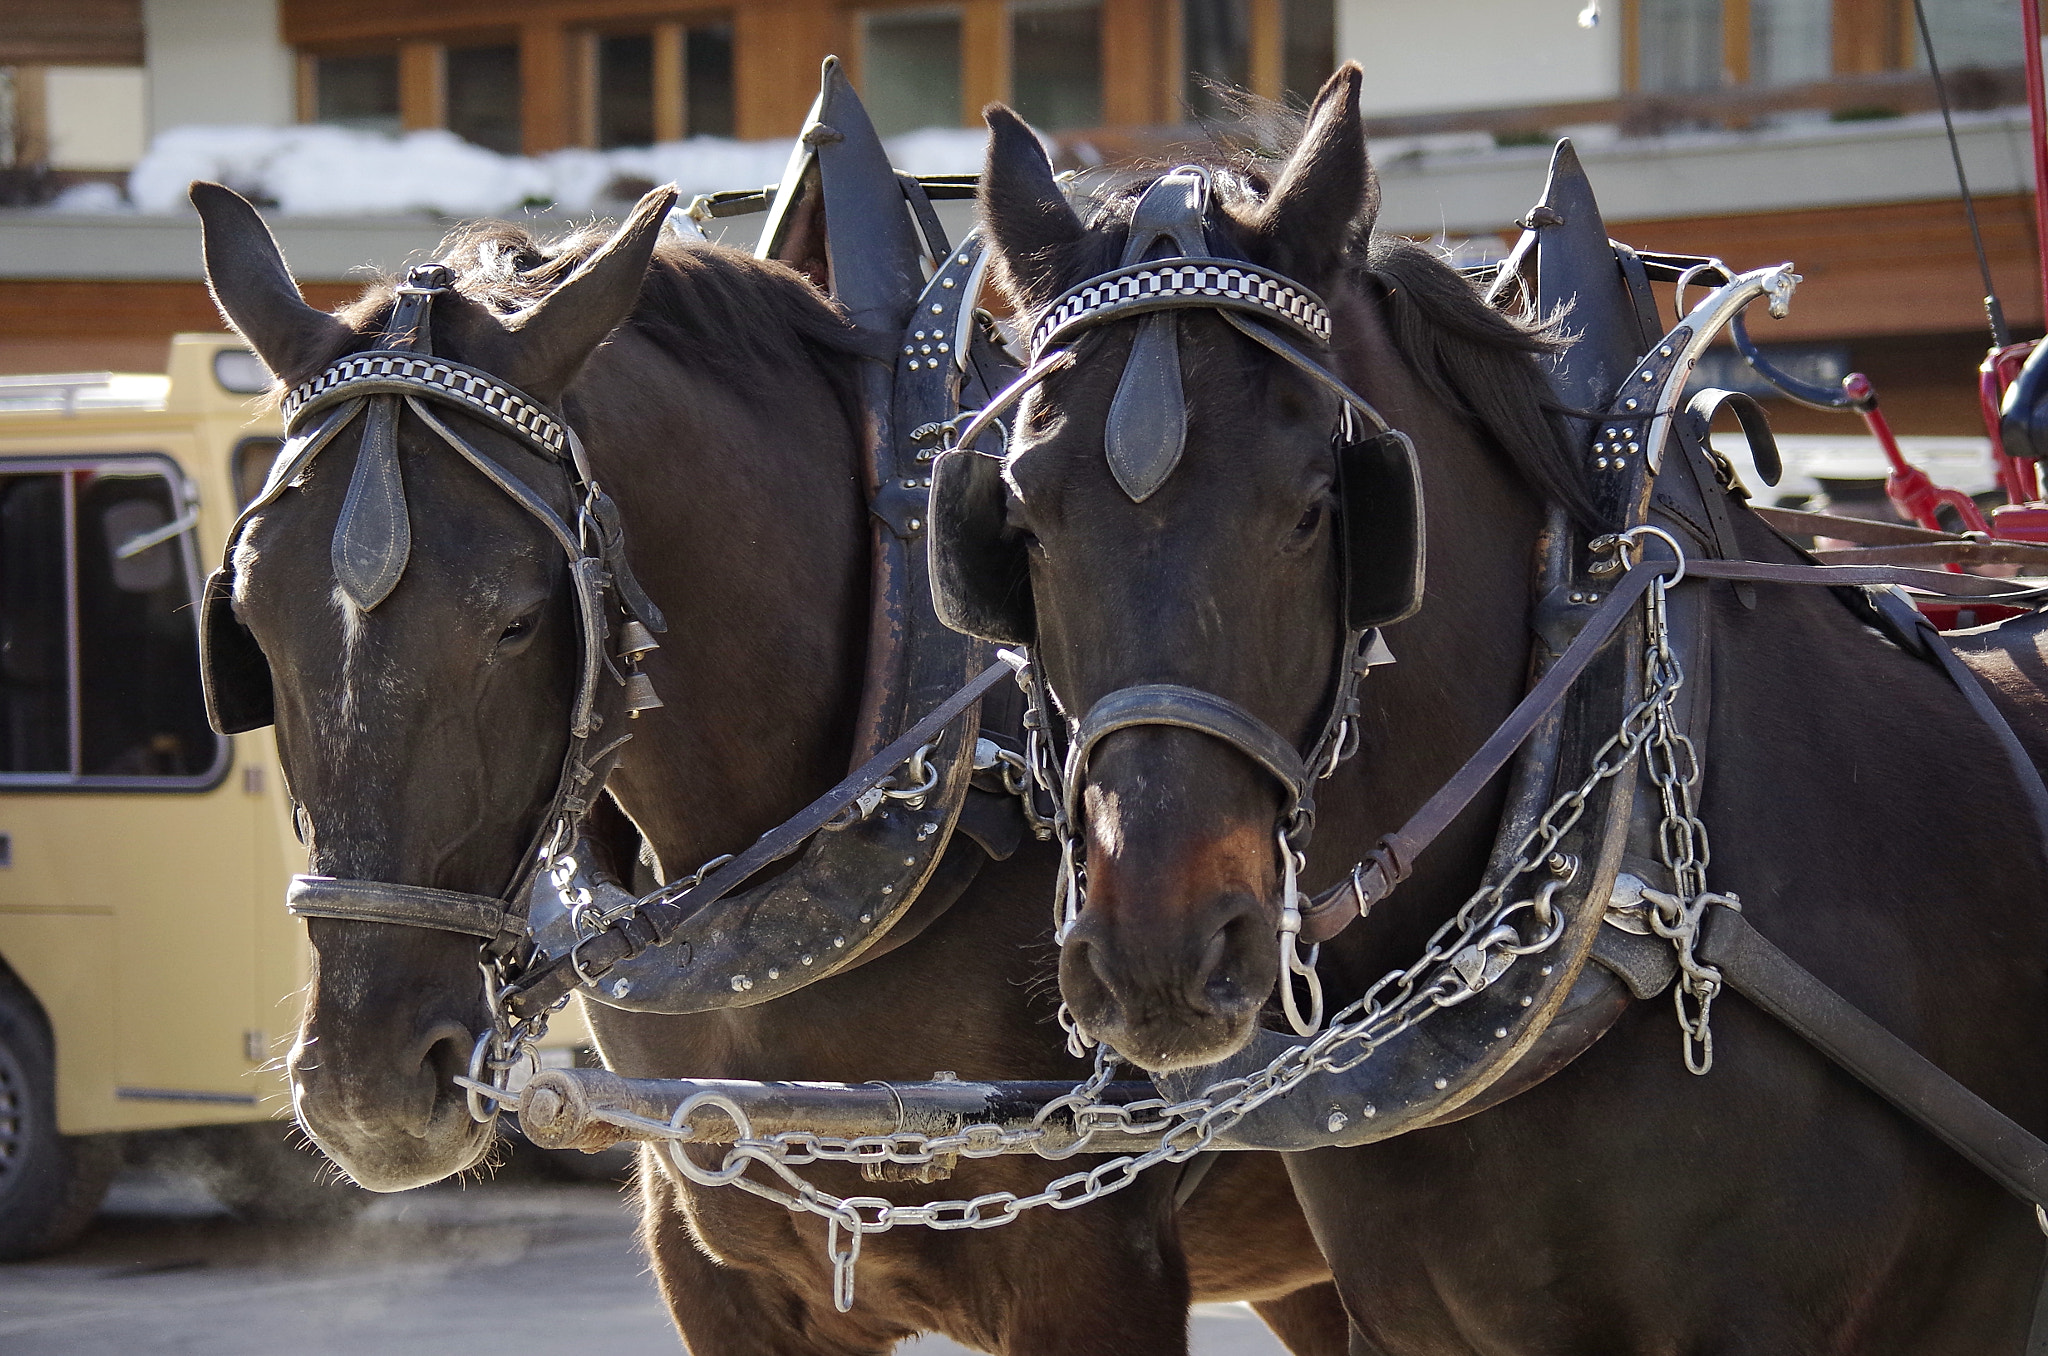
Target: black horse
423 739
1863 814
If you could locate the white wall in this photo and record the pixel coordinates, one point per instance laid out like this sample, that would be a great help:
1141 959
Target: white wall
96 116
215 61
1427 55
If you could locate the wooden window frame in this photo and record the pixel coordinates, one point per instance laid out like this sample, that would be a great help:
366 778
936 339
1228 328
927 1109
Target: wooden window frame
1867 37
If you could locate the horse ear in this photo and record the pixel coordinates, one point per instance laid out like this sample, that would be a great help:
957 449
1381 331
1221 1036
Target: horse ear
557 334
254 290
1022 208
1326 190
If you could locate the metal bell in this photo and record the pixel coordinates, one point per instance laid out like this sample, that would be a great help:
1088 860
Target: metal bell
640 693
635 639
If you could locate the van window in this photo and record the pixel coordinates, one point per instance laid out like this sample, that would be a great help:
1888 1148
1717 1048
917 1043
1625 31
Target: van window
99 672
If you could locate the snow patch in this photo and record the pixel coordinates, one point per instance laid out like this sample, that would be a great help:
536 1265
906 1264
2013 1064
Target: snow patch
320 170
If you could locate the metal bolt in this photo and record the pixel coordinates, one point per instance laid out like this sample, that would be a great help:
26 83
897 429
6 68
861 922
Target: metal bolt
740 983
1338 1120
918 335
1647 376
1371 1111
1527 1001
888 889
838 941
912 349
925 831
1545 970
1664 352
946 283
1500 1033
867 918
1629 404
774 973
938 309
621 987
804 960
910 861
1442 1083
915 524
945 1076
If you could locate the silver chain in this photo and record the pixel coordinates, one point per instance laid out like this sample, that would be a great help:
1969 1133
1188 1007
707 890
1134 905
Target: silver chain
1673 764
1470 951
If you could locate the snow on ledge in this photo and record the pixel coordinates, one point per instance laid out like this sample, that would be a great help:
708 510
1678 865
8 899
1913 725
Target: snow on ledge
320 170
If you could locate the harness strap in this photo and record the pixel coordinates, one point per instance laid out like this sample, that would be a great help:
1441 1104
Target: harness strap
1927 581
656 917
1341 905
2011 1155
418 906
1187 708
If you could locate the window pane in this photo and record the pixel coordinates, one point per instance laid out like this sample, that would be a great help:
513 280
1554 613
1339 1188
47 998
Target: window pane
1680 44
911 66
1311 52
1790 41
253 457
1056 65
35 705
357 91
1216 41
625 90
707 80
483 96
1973 33
138 651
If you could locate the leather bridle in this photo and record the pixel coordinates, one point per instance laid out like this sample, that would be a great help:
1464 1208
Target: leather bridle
371 541
1143 440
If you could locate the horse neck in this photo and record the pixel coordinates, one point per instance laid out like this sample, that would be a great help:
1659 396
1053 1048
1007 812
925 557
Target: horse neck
1461 661
746 524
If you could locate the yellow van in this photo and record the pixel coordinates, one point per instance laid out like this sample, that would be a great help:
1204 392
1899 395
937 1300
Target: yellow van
149 975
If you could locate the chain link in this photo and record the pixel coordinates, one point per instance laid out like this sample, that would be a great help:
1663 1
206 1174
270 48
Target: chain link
1673 764
1469 951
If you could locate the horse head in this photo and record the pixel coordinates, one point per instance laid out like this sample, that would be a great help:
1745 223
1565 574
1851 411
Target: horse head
1170 522
1211 501
420 678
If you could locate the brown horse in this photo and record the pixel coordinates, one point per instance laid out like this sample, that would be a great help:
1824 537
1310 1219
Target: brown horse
422 740
1859 808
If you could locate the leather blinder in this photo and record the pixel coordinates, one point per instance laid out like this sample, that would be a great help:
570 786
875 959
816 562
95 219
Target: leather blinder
981 582
1385 548
234 675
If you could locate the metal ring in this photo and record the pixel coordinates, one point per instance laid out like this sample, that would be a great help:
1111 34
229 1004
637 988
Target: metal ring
1635 534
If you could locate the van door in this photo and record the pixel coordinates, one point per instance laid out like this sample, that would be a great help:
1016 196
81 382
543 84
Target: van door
121 822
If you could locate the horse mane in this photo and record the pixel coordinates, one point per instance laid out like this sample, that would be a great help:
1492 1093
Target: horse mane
1483 363
711 308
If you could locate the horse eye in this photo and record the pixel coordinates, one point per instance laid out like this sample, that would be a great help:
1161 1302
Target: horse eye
519 629
1311 518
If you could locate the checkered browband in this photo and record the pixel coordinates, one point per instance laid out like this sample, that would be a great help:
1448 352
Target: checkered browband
1172 284
382 372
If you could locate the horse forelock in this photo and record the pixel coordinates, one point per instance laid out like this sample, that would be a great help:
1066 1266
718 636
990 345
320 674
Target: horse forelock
716 310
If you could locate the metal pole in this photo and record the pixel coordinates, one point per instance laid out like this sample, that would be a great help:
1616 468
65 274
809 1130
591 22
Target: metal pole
2037 127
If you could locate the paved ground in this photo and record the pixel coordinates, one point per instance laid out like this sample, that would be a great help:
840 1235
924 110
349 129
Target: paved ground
166 1272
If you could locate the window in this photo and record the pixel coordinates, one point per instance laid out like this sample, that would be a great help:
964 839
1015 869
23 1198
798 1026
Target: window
1310 52
483 96
251 467
1972 33
357 91
1680 45
1790 41
707 80
1216 44
625 90
99 672
1281 50
910 64
1056 64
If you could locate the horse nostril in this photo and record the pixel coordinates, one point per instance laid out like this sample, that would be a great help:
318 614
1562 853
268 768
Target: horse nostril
1217 983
